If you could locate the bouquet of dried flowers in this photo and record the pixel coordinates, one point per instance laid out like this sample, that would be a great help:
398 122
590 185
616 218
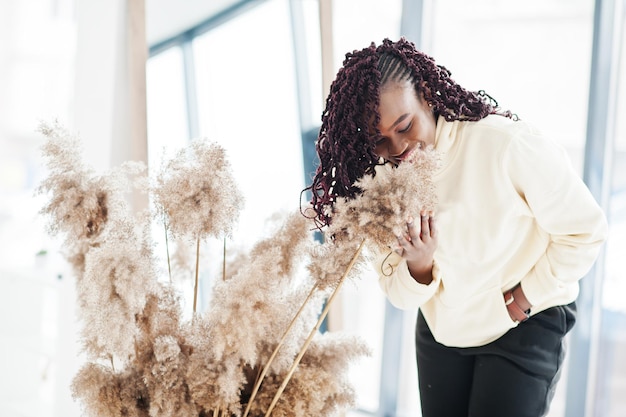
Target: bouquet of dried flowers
249 353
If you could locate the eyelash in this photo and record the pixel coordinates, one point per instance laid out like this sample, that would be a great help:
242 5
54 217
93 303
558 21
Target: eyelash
380 140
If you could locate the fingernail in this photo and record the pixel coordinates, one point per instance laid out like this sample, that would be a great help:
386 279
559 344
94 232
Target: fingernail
409 220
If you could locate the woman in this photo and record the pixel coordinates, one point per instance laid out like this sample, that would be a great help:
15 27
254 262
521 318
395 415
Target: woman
494 271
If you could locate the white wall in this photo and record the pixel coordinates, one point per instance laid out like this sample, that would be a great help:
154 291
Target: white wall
72 61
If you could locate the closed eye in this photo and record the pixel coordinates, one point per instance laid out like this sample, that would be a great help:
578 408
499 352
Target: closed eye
407 128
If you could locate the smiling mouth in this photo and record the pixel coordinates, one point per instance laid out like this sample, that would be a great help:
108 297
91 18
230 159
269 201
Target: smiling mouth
408 152
404 155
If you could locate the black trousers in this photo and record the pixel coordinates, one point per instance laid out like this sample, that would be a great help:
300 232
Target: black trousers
513 376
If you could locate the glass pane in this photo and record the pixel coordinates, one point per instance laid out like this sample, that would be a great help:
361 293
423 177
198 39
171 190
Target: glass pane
363 314
611 383
167 132
247 101
531 56
311 30
614 282
374 21
167 109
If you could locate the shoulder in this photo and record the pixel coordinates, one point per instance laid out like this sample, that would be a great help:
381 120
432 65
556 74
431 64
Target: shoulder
508 135
520 145
500 126
493 135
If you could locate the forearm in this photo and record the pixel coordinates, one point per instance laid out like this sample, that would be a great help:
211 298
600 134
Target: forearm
420 273
400 287
517 304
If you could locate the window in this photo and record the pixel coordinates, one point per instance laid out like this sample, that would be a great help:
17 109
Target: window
532 56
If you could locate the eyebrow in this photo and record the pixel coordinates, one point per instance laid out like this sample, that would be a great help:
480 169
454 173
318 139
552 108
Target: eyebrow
400 120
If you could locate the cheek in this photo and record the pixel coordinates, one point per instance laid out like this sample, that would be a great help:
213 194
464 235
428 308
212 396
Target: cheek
381 150
427 130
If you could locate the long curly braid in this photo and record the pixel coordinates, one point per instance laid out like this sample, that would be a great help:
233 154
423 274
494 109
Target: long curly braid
347 137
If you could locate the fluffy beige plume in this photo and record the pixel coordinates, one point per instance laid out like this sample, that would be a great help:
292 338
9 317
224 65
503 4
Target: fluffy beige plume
105 393
250 311
197 193
81 203
330 261
165 378
214 383
163 350
132 320
260 290
117 281
387 200
161 315
319 386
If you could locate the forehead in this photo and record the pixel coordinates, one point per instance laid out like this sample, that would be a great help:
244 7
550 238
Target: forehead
396 99
397 90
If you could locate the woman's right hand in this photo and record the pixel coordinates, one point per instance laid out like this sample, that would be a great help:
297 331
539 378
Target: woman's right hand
417 246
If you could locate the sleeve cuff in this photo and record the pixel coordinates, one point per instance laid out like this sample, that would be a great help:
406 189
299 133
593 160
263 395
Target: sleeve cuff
541 289
404 292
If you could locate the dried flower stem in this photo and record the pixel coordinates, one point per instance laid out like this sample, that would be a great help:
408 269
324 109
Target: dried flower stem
266 368
224 261
167 249
314 330
195 287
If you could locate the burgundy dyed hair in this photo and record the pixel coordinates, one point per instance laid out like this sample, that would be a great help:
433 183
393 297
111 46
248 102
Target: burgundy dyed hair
347 138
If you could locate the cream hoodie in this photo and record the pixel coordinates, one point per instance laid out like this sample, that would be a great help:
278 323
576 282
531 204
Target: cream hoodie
511 209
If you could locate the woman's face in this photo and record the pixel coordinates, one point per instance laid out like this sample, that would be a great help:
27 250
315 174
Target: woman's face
407 123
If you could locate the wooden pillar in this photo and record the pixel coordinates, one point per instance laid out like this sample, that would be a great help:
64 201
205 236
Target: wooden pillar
110 89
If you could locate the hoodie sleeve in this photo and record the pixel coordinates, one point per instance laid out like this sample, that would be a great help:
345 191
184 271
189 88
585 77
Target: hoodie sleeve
398 284
563 207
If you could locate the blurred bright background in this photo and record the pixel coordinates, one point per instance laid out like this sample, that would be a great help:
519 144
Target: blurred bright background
252 76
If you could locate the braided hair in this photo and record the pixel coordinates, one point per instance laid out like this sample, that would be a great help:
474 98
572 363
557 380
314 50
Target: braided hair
347 137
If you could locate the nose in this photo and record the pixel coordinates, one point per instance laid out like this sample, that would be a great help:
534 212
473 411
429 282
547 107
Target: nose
396 145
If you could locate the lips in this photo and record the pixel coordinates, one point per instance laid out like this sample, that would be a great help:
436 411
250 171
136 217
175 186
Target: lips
404 155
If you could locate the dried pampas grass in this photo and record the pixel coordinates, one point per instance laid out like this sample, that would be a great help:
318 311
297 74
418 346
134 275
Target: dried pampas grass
81 203
261 329
197 192
388 198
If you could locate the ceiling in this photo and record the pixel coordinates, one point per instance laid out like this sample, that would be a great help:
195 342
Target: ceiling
167 18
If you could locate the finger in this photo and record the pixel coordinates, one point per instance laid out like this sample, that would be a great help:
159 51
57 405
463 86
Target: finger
432 225
425 232
404 242
412 229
